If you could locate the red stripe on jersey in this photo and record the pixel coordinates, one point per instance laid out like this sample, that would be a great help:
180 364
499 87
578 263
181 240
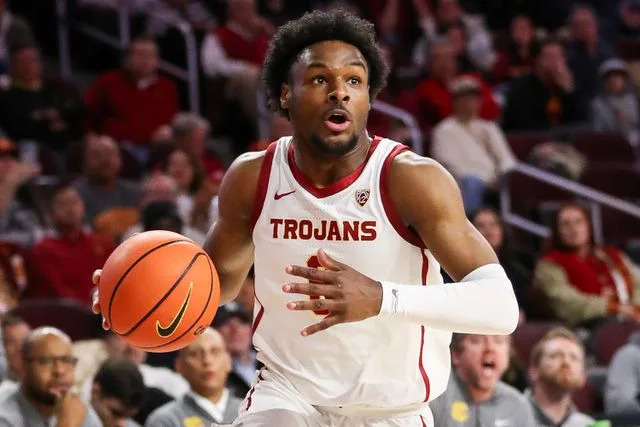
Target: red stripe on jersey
336 186
250 395
423 423
263 183
257 320
423 372
387 203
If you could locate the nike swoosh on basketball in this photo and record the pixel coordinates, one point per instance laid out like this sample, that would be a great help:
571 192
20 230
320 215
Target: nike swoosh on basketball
166 332
280 196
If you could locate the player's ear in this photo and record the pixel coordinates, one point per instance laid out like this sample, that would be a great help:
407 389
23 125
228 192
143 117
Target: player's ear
285 96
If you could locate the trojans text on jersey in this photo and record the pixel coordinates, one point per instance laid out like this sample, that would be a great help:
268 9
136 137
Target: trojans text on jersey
306 229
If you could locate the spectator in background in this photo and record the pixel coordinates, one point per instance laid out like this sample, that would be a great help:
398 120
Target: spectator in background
14 32
205 364
434 94
585 282
586 51
236 51
117 393
629 25
63 263
622 391
616 108
475 395
246 297
556 371
45 397
546 97
235 326
14 333
161 187
475 151
100 187
517 58
36 109
492 228
18 223
162 215
134 104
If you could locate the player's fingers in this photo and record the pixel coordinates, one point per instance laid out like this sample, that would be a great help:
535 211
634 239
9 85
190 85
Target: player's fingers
329 263
325 323
317 304
312 274
96 303
313 289
96 277
105 324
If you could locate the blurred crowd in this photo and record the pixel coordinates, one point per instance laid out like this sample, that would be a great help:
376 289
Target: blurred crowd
87 162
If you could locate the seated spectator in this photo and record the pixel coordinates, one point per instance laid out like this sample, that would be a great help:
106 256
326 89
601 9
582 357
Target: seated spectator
556 371
32 108
63 263
616 108
235 326
117 393
205 364
18 223
134 104
585 282
475 151
14 333
491 226
236 51
434 94
475 395
545 98
161 187
100 187
629 25
45 397
197 196
246 297
15 32
479 43
622 391
517 58
587 50
115 347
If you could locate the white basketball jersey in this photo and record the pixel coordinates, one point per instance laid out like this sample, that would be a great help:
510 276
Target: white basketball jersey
378 362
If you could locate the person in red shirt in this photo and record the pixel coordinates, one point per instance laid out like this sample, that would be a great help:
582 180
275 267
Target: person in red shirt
133 104
434 93
63 263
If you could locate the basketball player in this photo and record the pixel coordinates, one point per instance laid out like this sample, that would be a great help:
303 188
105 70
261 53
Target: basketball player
346 232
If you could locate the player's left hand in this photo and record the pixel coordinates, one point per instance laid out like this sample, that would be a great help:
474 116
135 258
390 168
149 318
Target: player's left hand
349 296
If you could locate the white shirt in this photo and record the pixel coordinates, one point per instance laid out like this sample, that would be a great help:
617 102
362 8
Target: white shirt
215 61
477 148
216 410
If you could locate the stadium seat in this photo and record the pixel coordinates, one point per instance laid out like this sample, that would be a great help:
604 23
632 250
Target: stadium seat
73 318
526 336
609 336
621 181
604 147
522 143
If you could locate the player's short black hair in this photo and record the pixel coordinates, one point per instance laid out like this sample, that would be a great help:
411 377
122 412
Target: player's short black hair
121 379
314 27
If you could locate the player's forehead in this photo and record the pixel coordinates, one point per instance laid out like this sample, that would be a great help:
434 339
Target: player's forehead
331 54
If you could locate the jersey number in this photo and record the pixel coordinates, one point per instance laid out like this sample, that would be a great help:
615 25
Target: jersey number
313 262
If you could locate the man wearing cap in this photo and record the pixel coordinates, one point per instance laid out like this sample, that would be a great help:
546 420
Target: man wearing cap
616 108
474 150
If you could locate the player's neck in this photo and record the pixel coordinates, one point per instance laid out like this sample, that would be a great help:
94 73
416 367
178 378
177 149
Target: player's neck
324 169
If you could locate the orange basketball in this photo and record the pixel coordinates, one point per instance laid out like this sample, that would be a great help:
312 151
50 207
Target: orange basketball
159 290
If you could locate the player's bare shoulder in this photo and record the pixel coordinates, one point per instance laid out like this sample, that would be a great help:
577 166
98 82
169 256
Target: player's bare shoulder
420 186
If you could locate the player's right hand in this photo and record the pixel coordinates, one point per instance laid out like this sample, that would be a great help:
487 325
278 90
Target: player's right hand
96 298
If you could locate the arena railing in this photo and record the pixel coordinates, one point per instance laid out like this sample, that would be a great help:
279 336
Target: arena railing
121 42
596 199
407 119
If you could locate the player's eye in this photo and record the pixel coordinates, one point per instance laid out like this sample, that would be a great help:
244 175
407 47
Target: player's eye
319 80
355 80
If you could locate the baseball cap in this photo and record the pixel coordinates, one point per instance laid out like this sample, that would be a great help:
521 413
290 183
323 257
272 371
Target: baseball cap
613 65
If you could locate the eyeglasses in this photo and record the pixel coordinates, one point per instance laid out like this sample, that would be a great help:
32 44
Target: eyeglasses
49 361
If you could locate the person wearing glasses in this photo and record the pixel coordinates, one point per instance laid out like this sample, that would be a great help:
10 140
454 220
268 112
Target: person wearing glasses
44 397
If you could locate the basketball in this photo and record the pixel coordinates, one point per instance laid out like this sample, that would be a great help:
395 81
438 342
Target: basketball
159 290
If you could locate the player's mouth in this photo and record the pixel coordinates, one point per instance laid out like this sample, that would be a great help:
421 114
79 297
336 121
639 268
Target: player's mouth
337 120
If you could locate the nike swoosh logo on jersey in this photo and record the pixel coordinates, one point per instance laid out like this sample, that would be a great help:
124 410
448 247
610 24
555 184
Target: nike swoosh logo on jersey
280 196
166 332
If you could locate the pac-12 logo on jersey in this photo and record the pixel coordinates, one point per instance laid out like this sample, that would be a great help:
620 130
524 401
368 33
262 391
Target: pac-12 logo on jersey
362 196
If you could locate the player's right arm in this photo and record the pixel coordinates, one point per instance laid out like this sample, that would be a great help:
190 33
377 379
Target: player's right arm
229 242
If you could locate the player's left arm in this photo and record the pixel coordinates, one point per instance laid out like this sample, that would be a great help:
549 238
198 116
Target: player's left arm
481 302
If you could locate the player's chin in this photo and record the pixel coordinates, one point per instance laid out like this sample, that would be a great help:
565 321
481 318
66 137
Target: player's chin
336 143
